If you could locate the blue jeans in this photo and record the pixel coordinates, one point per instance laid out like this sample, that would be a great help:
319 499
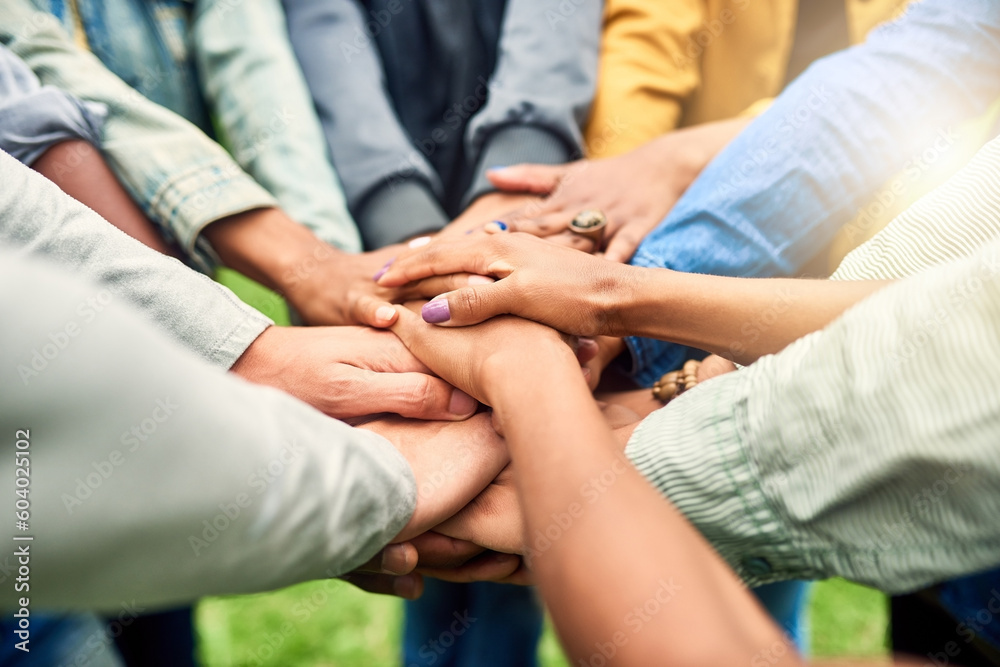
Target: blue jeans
472 625
60 640
787 601
493 625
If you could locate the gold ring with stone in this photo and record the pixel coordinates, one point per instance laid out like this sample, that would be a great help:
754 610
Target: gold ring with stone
591 224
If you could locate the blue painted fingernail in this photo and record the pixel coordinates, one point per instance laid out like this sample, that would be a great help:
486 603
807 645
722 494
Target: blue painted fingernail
436 312
502 225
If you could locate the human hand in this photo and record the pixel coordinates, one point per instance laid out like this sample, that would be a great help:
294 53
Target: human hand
452 462
325 285
350 372
561 287
494 519
435 555
460 561
487 208
338 288
635 190
390 572
477 359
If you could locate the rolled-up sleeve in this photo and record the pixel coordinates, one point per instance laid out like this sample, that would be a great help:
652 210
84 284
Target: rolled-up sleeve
35 118
541 91
182 179
866 450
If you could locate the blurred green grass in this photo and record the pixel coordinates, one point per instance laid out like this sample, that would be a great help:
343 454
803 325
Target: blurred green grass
333 624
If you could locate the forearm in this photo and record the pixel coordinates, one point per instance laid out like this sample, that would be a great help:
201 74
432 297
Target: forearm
182 179
269 247
80 171
618 530
741 319
836 457
241 52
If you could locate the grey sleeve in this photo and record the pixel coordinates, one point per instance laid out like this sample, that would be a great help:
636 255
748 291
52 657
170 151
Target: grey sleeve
33 118
542 89
866 450
158 479
39 219
390 186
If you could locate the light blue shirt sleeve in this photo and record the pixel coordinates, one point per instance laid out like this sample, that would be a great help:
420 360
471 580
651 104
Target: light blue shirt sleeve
779 193
34 118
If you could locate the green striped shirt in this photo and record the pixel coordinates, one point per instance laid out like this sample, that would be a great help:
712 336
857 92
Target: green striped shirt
871 449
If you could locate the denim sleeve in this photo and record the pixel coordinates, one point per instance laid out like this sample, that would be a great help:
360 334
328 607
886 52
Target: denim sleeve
182 179
541 92
243 52
779 193
389 184
33 118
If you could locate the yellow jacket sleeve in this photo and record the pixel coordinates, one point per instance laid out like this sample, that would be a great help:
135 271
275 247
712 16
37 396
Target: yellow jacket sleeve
650 64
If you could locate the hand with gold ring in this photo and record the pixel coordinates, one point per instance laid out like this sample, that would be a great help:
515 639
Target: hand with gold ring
590 224
635 190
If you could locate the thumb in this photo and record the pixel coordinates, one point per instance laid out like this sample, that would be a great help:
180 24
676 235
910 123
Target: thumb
416 396
469 305
539 179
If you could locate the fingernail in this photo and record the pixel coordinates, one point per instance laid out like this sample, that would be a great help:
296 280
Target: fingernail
501 224
385 313
381 272
462 404
407 586
436 312
418 242
394 560
497 167
481 280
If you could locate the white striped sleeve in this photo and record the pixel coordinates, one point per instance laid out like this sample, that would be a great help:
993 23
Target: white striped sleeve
869 450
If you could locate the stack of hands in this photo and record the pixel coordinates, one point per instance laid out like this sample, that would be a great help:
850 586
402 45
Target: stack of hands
467 525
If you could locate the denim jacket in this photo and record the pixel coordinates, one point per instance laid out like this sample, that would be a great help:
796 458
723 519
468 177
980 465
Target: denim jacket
217 65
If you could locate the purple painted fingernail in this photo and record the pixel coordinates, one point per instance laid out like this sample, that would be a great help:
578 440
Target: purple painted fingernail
381 272
436 312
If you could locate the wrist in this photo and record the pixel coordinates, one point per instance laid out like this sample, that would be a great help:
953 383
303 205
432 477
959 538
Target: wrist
621 301
268 246
550 363
253 363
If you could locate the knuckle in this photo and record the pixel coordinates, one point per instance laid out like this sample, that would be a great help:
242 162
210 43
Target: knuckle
420 395
469 301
